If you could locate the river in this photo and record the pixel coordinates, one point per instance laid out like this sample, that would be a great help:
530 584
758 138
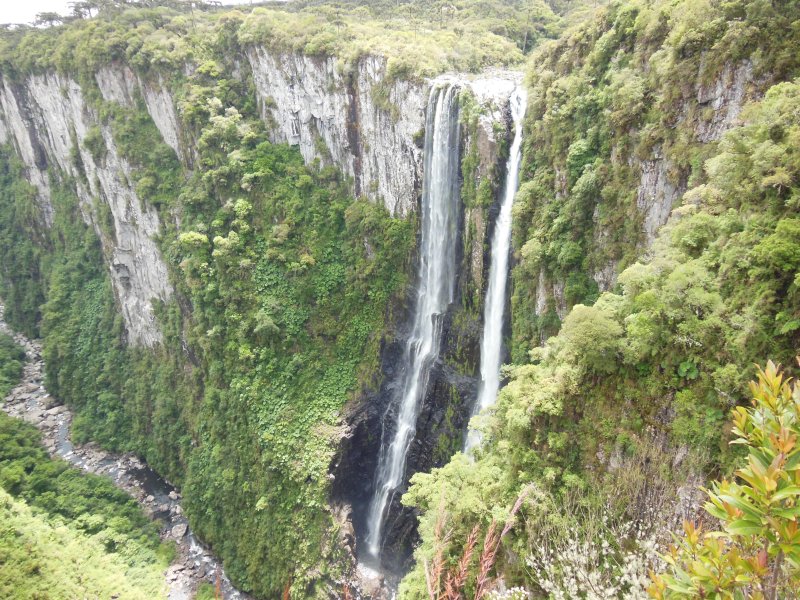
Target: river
31 402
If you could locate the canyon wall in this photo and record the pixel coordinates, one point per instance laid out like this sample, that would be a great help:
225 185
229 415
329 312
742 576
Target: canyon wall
47 118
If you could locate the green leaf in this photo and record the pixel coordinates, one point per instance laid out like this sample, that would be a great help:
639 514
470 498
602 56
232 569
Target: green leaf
787 513
745 507
744 527
792 490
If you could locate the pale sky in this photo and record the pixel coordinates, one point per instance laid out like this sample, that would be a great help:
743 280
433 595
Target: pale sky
25 11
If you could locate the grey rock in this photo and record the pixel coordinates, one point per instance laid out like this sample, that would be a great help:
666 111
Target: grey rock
179 530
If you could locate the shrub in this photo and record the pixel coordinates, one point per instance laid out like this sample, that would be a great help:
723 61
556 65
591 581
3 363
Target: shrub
756 553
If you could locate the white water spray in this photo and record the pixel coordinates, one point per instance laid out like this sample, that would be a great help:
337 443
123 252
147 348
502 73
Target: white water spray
435 292
495 303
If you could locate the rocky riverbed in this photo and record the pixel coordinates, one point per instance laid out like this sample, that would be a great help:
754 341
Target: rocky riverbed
31 402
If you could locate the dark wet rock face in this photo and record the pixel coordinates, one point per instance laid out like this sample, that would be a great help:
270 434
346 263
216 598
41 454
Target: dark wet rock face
440 427
442 422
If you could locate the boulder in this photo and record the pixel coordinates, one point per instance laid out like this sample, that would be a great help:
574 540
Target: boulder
179 530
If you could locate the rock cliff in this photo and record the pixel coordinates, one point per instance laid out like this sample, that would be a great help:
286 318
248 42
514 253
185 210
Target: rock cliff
47 118
364 123
656 170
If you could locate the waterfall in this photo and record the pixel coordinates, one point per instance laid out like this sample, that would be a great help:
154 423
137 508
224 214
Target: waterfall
435 291
495 303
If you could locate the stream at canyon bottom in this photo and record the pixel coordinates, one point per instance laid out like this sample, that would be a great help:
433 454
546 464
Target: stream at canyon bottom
31 402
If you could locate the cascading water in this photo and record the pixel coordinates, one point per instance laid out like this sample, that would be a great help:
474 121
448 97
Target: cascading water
435 292
495 304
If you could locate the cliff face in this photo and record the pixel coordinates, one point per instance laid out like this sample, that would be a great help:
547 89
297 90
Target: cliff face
362 122
612 145
121 85
47 119
710 112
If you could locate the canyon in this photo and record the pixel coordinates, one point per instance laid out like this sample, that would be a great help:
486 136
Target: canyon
286 279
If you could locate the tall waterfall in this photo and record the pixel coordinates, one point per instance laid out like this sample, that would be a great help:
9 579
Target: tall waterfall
495 304
435 291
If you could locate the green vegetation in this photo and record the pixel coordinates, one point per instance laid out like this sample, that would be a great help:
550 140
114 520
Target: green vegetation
88 502
624 88
12 357
289 307
285 286
20 279
757 553
43 557
627 403
418 40
67 534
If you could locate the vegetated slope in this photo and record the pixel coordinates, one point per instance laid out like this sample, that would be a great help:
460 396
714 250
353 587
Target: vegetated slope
289 286
47 558
67 534
627 404
12 357
418 41
624 111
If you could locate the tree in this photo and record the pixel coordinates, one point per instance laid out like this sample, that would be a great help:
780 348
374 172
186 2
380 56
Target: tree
81 10
756 554
48 18
589 338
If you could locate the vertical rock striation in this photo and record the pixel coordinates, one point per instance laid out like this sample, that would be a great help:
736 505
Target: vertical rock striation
47 118
363 121
121 85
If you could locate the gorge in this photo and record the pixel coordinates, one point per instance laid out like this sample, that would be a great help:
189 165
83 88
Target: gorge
276 256
30 402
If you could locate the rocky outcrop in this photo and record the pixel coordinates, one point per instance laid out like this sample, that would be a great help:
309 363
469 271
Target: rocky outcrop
712 106
713 110
361 121
725 96
360 118
121 85
489 144
47 118
657 193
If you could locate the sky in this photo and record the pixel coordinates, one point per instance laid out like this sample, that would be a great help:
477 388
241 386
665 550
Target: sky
25 11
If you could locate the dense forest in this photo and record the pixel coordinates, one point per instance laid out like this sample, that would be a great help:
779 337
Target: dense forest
194 221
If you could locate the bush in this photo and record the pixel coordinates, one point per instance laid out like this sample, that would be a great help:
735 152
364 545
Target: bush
756 553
